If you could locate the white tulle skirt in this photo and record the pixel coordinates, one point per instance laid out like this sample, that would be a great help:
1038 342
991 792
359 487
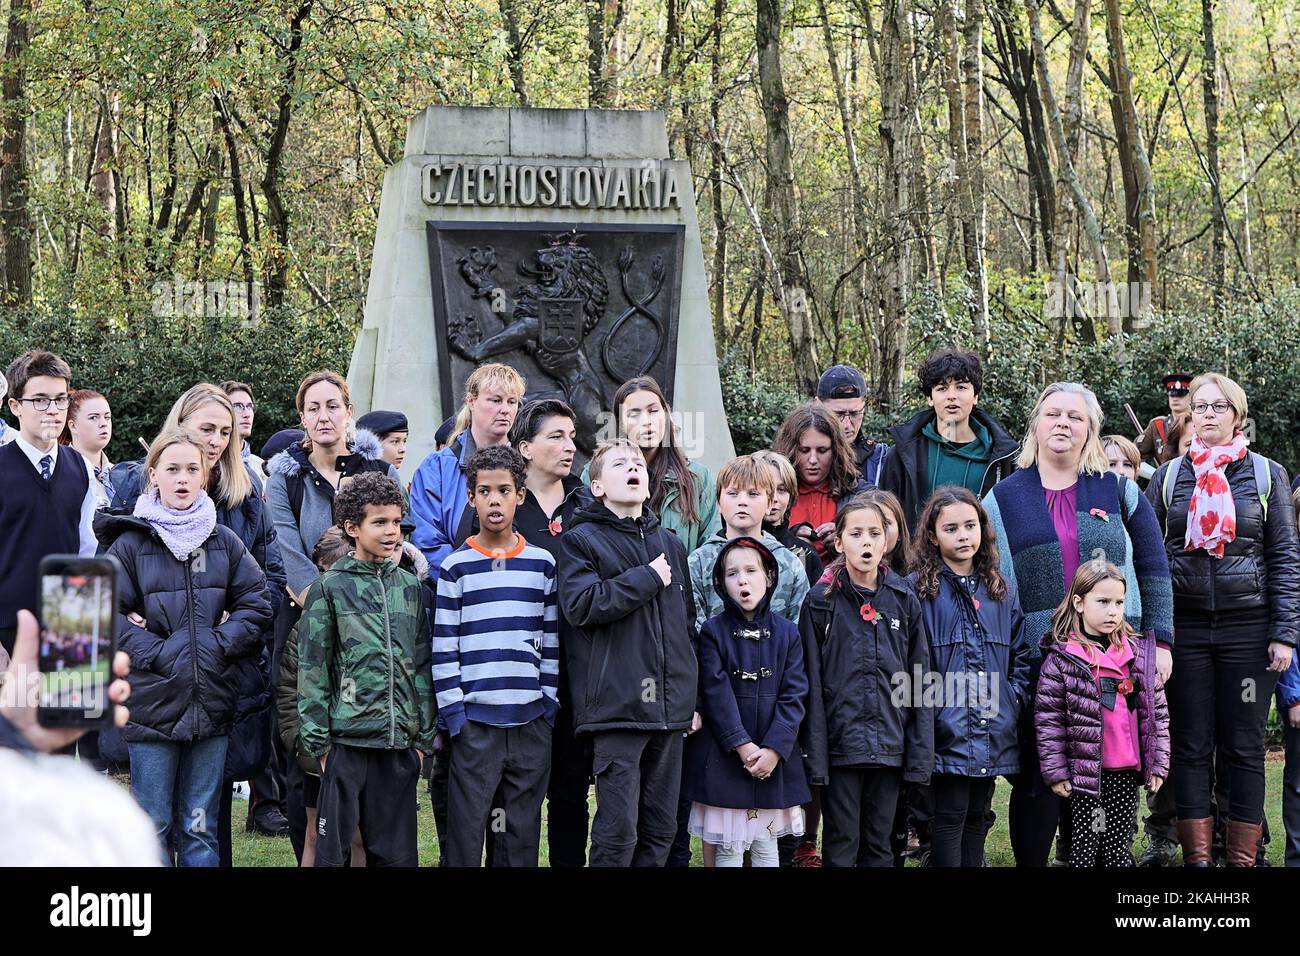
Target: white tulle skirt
723 826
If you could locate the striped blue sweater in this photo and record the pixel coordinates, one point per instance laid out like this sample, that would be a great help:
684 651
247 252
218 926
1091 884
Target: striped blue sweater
496 647
1129 537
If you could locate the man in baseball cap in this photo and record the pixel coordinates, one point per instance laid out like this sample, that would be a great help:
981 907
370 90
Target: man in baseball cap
843 391
1153 439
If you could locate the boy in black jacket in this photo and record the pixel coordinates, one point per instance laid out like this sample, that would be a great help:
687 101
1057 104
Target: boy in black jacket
625 590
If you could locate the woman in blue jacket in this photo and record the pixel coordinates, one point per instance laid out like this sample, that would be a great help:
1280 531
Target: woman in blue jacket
439 498
979 658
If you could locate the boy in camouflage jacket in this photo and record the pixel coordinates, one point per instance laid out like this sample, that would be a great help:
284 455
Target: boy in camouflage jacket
365 684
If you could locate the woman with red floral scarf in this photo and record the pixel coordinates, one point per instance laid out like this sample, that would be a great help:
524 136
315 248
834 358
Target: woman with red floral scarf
1230 532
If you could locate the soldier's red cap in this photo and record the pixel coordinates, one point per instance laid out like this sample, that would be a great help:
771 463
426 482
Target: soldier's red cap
1177 383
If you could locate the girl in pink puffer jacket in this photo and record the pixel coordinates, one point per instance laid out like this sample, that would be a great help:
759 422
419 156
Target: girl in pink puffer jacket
1101 718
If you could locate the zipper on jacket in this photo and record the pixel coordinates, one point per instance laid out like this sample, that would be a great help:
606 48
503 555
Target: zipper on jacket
388 642
663 653
194 637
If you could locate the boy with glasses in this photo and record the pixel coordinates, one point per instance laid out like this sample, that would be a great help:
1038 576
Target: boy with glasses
48 503
241 397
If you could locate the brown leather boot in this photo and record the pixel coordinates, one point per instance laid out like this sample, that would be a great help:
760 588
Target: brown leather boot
1195 836
1243 841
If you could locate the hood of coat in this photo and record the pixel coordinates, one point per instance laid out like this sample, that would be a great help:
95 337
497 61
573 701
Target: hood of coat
349 564
769 564
293 461
595 511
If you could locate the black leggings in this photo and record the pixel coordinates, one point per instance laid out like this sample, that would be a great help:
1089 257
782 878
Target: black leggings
1220 696
959 828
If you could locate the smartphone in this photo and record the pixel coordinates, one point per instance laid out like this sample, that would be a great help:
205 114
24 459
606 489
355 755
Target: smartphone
78 639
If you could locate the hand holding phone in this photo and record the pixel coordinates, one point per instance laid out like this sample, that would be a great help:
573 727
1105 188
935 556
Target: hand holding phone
19 687
78 636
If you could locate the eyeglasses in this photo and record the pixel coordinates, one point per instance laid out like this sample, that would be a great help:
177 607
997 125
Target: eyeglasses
42 404
848 416
1220 408
242 408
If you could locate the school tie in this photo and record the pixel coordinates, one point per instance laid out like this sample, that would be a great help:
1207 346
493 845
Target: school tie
47 466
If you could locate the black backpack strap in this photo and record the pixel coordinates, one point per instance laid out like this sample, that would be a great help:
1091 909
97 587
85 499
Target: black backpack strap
293 485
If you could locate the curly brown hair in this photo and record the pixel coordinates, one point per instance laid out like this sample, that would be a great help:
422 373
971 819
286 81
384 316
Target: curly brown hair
815 415
927 561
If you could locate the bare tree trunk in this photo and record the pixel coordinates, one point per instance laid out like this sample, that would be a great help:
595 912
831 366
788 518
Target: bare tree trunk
277 216
973 176
1210 92
1065 266
597 88
715 173
515 56
1105 285
793 294
1145 208
105 153
898 136
14 213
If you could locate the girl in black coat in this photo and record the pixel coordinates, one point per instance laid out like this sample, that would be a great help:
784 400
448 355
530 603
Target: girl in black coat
204 602
746 776
861 629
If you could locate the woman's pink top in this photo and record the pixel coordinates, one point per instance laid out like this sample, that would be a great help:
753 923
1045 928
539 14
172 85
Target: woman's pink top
1120 749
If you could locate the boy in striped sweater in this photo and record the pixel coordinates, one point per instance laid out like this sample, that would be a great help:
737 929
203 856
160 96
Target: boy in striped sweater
496 665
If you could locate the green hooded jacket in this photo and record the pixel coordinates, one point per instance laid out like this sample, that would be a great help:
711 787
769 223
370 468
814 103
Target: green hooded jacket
365 660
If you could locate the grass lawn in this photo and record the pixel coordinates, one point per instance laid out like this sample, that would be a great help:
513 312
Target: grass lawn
251 850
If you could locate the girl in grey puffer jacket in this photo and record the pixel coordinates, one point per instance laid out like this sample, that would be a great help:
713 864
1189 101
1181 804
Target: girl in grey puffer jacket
1100 716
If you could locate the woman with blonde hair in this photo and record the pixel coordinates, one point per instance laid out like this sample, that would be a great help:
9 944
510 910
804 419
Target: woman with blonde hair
1230 533
1062 508
439 500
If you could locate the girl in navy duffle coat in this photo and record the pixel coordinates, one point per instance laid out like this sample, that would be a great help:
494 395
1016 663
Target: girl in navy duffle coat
745 775
979 677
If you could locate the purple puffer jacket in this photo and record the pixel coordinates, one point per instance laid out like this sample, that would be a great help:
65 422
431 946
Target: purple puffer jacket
1067 717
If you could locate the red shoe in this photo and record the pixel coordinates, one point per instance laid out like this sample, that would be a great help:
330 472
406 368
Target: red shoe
805 854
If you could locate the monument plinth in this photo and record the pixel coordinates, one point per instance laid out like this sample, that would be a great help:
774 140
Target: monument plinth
561 242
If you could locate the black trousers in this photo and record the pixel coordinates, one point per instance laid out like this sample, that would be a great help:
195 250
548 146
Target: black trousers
373 789
959 828
7 637
1102 830
1291 792
638 779
1221 698
1033 810
858 807
566 795
915 810
301 792
506 766
439 782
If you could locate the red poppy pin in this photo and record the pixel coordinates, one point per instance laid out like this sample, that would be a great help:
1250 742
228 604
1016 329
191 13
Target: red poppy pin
868 613
556 526
976 602
1100 513
1125 686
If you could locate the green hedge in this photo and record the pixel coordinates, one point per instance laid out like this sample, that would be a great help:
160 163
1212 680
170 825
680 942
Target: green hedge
1257 345
143 366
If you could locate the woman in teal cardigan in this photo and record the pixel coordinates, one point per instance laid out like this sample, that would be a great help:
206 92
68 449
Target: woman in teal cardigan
682 493
1064 507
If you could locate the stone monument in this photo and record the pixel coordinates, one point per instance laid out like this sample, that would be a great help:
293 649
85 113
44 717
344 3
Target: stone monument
561 242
